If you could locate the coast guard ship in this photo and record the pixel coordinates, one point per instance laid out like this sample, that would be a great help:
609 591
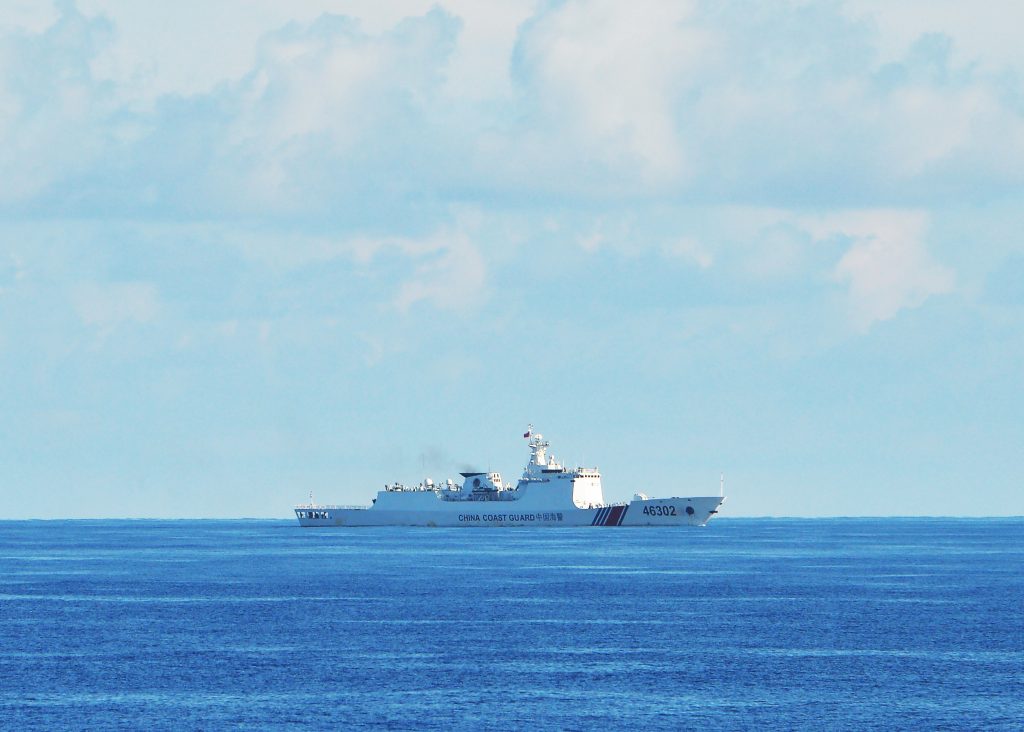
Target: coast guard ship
548 494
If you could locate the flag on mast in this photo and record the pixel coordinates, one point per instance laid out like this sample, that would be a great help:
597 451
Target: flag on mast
529 430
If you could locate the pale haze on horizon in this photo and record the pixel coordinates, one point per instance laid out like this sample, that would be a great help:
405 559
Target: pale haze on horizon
252 250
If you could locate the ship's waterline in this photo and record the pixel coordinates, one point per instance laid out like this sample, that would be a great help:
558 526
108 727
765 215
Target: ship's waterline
547 494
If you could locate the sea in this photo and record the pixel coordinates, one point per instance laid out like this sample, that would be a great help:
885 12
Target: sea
746 624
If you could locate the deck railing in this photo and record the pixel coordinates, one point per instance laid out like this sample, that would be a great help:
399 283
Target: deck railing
318 506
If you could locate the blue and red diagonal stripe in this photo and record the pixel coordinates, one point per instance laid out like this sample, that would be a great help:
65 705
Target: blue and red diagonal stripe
609 516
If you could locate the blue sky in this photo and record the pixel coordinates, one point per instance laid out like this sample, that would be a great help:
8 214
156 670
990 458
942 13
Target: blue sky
248 251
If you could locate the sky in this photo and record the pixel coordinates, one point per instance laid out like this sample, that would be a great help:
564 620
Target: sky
251 250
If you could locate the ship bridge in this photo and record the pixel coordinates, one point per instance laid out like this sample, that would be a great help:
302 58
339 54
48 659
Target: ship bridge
544 468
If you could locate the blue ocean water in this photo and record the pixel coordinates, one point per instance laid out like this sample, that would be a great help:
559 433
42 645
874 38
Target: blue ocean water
745 624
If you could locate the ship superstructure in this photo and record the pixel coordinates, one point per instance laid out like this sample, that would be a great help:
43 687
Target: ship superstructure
547 494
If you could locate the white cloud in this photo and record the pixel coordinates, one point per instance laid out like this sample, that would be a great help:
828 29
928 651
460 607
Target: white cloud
330 79
986 34
608 75
479 68
370 114
451 275
147 58
916 127
880 255
445 268
931 116
50 106
322 109
887 266
30 15
329 109
689 249
286 251
12 271
112 304
616 232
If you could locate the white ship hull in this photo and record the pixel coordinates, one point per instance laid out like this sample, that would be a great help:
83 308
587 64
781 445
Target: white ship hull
659 512
548 494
